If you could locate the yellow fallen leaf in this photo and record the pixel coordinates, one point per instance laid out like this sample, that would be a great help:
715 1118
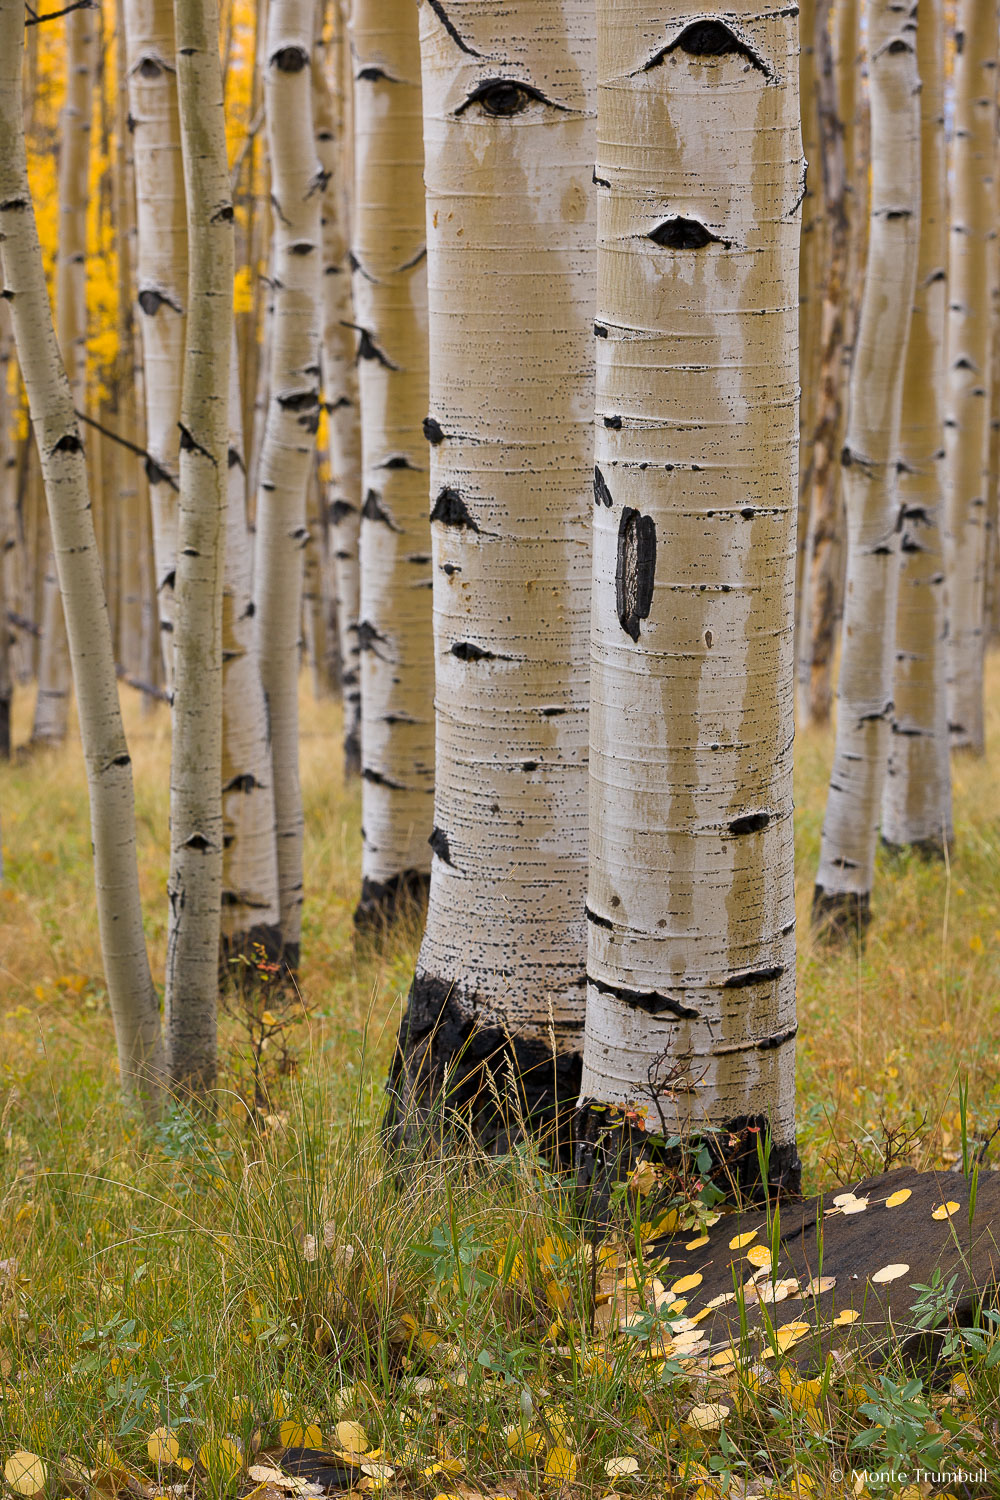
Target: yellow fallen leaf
695 1245
945 1210
293 1434
527 1444
759 1255
25 1472
281 1404
819 1285
723 1359
847 1316
221 1457
687 1283
895 1199
644 1178
708 1417
790 1334
377 1470
163 1447
740 1241
621 1468
447 1465
352 1437
560 1466
890 1273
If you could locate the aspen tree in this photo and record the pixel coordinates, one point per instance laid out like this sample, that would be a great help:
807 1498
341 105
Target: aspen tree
823 507
8 541
390 309
691 955
292 419
161 270
194 887
842 897
54 684
334 147
916 804
250 860
509 149
974 148
131 994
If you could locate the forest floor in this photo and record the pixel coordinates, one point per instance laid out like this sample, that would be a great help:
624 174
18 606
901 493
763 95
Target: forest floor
250 1288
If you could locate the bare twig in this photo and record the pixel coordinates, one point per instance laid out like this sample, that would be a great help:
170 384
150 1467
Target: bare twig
34 19
22 624
160 694
154 470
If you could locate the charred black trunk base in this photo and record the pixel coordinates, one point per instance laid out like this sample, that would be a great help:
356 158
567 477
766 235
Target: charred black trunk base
452 1077
930 850
609 1146
252 955
840 916
4 729
384 901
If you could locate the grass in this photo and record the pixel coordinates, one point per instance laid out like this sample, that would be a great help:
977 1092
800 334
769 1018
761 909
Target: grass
221 1282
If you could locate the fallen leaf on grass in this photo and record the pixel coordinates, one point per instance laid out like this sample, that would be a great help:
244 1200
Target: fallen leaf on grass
621 1468
163 1447
221 1457
352 1437
707 1418
945 1210
847 1316
293 1434
890 1273
560 1466
25 1472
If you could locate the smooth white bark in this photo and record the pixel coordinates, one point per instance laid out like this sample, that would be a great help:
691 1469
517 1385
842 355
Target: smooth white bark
691 959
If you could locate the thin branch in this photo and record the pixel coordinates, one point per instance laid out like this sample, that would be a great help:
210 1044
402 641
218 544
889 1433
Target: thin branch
160 694
154 470
20 623
241 155
34 19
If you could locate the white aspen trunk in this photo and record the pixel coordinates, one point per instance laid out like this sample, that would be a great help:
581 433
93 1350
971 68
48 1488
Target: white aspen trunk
340 376
691 955
194 887
509 149
842 897
161 270
822 561
974 150
250 862
8 537
132 997
54 683
916 803
390 300
292 419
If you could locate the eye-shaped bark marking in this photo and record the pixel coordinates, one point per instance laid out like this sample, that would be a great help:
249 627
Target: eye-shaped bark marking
503 97
636 569
602 495
684 234
374 74
451 510
711 38
374 510
290 59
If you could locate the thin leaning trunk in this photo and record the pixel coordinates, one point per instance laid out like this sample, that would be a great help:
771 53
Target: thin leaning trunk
54 682
292 419
390 300
334 134
134 1005
969 337
691 955
8 537
916 803
250 860
842 897
824 508
498 990
161 272
194 886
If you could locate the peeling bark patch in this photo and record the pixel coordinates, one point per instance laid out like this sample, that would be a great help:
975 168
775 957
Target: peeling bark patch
712 38
598 921
451 510
613 422
600 332
754 976
602 495
373 510
468 651
645 1000
439 843
684 234
752 823
377 779
433 431
636 569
